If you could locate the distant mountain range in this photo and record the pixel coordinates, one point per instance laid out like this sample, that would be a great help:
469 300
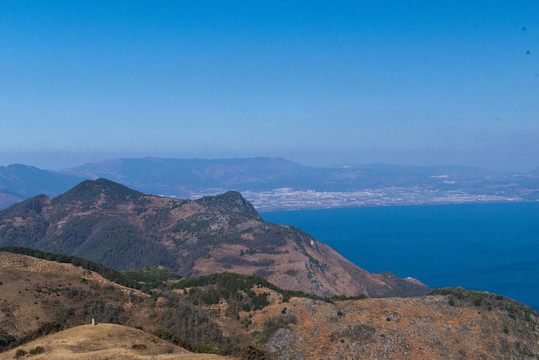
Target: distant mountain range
191 178
19 182
184 176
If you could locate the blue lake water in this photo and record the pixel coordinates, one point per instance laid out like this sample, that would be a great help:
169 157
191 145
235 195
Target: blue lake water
487 247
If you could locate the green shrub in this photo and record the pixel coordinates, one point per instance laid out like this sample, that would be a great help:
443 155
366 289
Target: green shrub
139 346
165 335
37 350
152 275
20 353
275 323
207 349
6 339
268 331
48 328
228 285
253 353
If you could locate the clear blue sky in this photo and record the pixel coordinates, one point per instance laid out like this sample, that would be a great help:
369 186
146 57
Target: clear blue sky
332 82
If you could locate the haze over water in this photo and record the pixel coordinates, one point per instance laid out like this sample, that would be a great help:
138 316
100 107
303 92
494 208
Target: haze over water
487 247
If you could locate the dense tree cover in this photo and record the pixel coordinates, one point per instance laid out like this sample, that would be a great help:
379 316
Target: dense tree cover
228 285
88 191
24 208
74 233
119 244
153 276
192 325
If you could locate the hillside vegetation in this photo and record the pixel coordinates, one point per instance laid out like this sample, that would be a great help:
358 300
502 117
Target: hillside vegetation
110 224
249 318
39 297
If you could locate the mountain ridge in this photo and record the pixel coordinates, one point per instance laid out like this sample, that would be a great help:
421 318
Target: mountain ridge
111 224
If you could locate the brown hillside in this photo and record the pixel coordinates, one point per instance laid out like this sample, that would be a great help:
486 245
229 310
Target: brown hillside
394 328
36 291
110 224
105 341
459 324
38 296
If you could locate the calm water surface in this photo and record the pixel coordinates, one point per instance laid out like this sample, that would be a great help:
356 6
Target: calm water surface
488 247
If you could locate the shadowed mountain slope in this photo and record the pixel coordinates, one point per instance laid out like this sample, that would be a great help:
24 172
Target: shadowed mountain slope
111 224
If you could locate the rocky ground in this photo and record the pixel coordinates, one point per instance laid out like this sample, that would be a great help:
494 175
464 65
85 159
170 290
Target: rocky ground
397 328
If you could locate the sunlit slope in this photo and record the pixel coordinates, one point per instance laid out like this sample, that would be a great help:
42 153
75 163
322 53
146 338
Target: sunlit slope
233 313
105 341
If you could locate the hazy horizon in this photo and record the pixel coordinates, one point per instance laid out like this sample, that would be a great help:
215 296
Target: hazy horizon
414 83
69 161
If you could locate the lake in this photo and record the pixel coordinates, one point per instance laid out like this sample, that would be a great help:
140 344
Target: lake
487 247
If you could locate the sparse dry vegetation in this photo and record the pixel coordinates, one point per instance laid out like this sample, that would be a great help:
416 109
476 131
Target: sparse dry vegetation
249 318
104 341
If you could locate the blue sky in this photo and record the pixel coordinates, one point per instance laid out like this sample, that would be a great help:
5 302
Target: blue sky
333 82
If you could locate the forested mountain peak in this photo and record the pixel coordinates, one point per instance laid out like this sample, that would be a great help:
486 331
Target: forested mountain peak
92 190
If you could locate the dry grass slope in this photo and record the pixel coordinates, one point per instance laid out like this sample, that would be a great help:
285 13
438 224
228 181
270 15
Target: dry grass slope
453 324
393 328
33 291
105 341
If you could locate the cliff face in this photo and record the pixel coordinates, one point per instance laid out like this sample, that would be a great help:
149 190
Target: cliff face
111 224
